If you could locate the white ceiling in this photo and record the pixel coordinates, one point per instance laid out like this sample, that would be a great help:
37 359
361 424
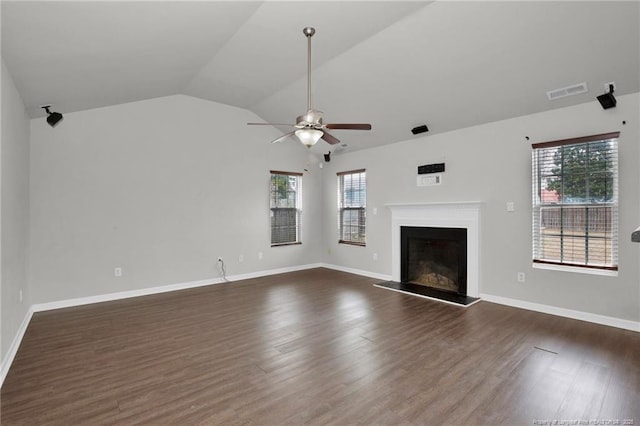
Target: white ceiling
395 64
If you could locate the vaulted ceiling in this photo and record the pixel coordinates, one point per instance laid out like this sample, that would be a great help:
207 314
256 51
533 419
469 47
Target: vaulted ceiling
395 64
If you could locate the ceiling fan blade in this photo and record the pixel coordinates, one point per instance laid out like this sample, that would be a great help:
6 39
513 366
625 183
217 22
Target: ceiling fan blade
283 137
270 124
330 139
348 126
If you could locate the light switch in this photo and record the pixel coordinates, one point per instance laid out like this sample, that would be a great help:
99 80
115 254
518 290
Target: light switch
511 206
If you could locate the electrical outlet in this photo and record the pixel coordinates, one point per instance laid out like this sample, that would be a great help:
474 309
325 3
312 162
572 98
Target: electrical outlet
20 295
220 259
511 207
117 272
260 255
521 277
241 258
375 257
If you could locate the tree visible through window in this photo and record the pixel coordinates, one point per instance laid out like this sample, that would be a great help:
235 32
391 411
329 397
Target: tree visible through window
575 202
352 203
285 197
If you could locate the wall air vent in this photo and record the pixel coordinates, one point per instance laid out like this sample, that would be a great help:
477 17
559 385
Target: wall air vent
574 89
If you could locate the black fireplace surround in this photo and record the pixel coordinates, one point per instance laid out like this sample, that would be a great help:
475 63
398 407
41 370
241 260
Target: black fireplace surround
433 264
434 257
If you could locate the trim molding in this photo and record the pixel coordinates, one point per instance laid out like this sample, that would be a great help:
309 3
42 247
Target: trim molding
39 307
562 312
267 272
381 277
68 303
15 344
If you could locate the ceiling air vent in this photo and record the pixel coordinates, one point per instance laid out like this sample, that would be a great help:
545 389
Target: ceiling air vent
574 89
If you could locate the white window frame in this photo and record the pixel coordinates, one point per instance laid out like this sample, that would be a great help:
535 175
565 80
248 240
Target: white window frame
292 204
358 205
545 207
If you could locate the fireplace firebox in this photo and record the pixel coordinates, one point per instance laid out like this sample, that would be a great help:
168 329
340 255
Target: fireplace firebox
434 257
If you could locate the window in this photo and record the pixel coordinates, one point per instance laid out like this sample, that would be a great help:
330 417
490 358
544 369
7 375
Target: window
575 202
285 201
352 202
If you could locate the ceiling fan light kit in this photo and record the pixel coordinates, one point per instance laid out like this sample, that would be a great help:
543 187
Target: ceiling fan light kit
309 137
310 128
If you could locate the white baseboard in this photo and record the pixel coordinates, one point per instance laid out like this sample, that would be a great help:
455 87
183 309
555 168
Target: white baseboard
562 312
39 307
15 344
381 277
59 304
547 309
259 274
68 303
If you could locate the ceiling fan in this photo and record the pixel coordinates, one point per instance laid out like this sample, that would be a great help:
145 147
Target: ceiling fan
309 127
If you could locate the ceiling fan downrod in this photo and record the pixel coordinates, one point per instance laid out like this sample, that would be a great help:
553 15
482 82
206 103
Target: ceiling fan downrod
309 32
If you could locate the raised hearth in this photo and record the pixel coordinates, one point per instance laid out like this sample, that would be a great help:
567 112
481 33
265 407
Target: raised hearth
428 292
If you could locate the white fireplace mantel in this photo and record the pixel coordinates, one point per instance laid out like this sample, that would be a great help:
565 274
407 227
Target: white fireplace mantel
457 214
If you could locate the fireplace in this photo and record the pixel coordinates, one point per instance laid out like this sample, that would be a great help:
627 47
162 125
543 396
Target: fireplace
445 239
434 257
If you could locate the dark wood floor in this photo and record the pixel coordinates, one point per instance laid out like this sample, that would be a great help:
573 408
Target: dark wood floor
317 347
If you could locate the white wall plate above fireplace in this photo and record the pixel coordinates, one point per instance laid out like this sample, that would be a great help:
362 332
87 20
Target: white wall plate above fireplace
430 179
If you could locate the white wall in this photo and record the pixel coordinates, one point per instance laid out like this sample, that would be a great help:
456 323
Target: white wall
160 188
492 163
14 212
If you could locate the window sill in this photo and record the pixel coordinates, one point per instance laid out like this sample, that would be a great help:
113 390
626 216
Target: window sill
351 243
567 268
286 244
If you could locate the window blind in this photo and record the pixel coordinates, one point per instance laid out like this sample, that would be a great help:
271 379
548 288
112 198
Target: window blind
352 203
575 201
285 192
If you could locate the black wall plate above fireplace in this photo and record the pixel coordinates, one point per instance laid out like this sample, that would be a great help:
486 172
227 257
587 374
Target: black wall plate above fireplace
431 168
